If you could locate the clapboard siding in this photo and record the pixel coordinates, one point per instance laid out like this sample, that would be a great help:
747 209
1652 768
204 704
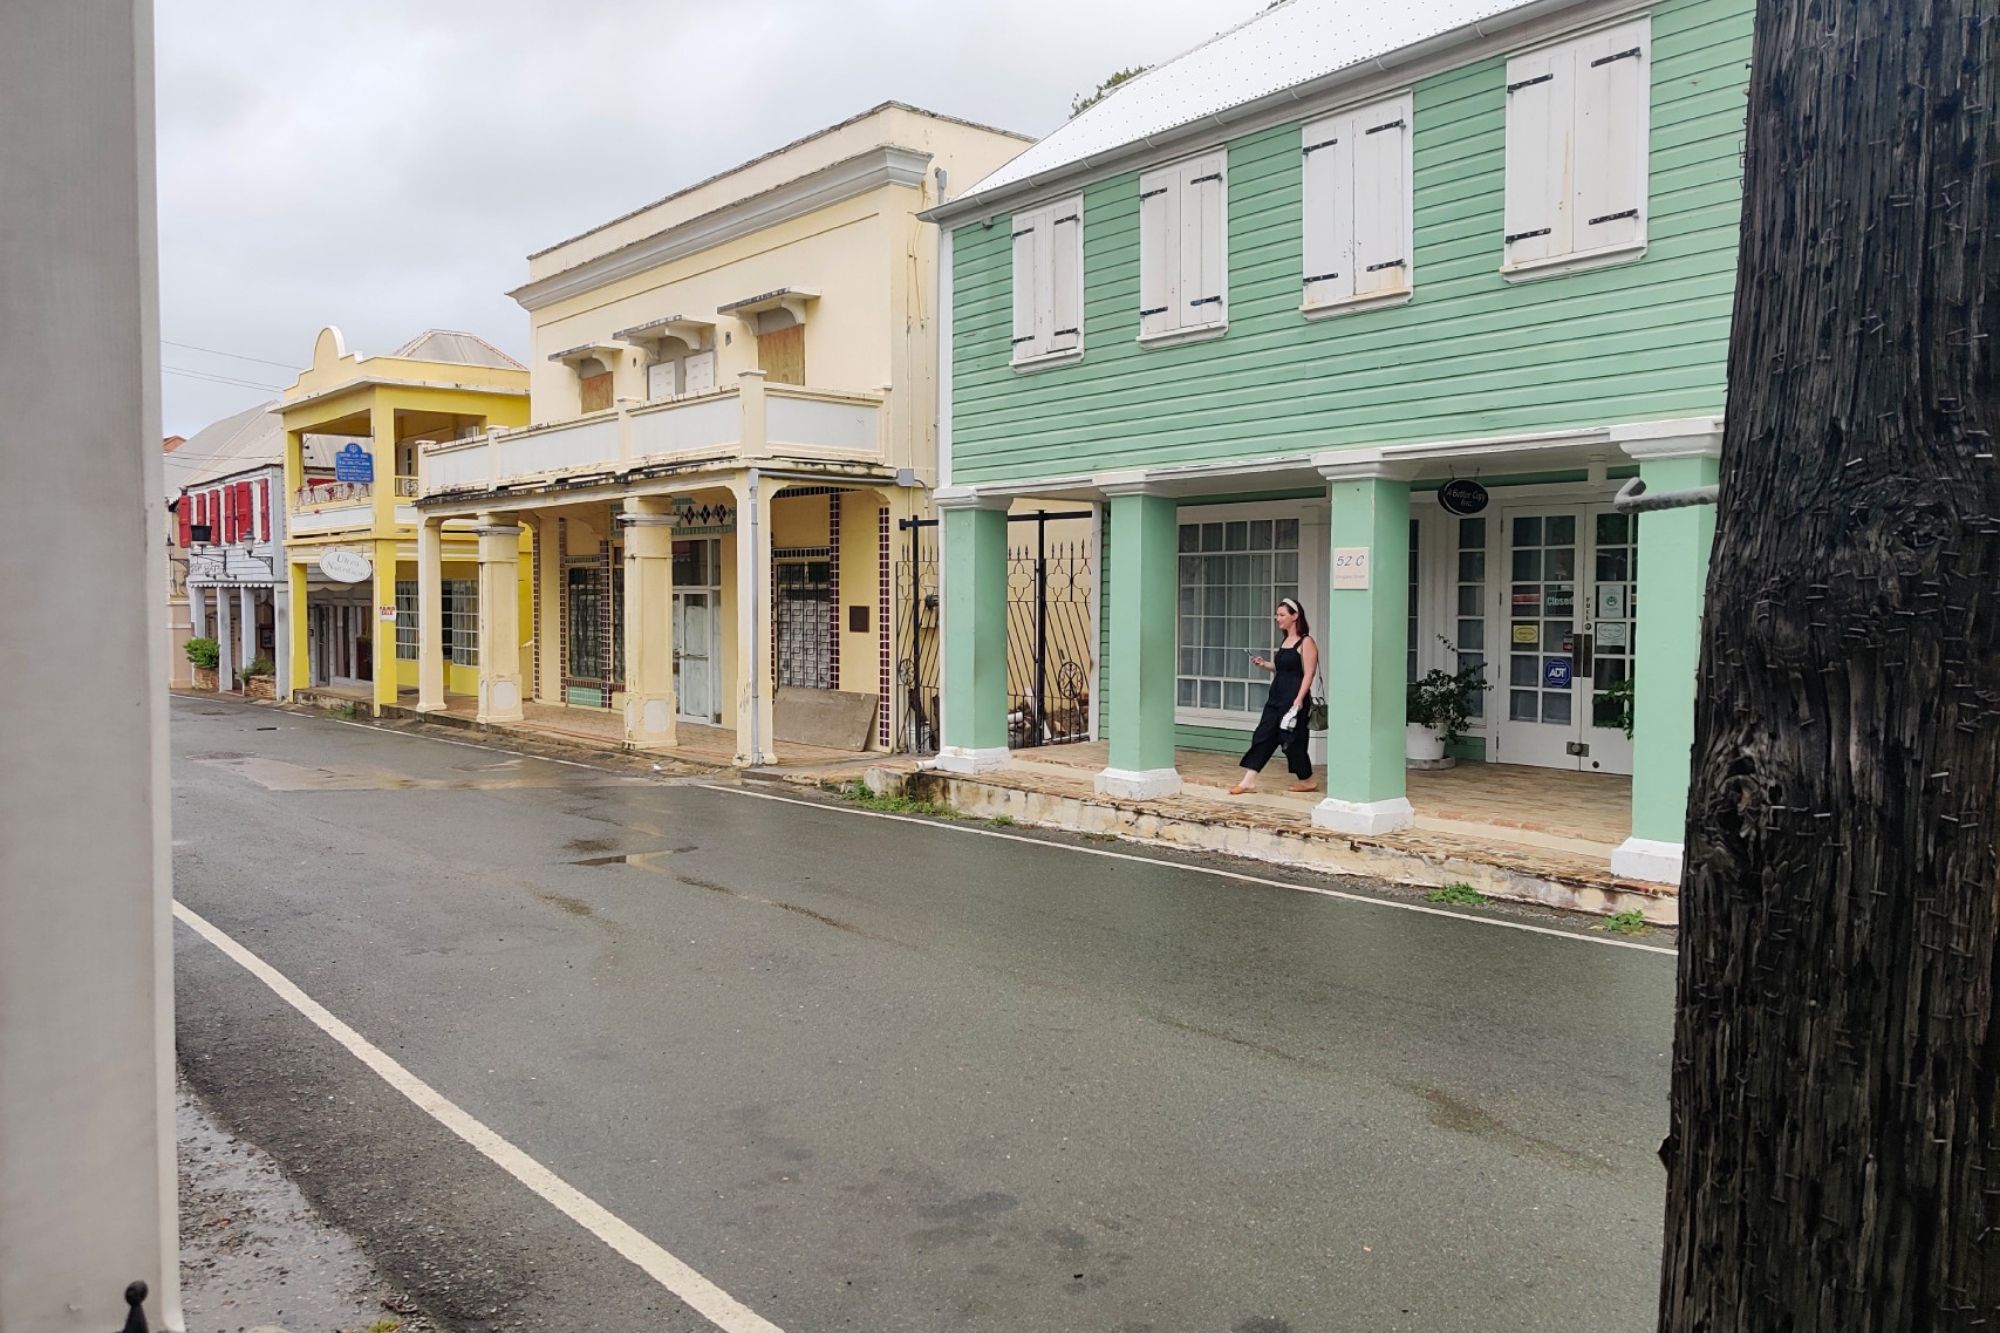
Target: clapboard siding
1469 355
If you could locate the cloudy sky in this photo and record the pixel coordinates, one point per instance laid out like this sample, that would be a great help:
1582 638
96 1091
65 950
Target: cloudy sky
387 166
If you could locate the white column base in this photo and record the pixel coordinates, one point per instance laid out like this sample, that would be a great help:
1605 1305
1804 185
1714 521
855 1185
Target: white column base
430 708
967 760
1364 816
1648 860
499 700
1138 784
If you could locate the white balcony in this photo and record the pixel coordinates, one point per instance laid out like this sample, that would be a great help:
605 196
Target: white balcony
322 506
752 422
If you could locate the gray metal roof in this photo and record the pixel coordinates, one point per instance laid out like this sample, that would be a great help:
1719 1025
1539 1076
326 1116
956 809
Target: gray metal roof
461 349
252 439
1295 42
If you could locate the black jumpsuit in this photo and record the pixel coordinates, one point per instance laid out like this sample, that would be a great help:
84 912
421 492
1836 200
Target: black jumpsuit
1289 675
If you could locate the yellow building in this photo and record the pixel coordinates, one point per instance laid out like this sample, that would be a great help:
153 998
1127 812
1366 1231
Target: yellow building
351 539
734 406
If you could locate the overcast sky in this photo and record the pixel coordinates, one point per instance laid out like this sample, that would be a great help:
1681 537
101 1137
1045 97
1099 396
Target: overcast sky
388 166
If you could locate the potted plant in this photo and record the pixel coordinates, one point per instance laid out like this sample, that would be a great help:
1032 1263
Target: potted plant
1437 710
260 678
204 653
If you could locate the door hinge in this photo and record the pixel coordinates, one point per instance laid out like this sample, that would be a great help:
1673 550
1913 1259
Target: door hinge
1581 748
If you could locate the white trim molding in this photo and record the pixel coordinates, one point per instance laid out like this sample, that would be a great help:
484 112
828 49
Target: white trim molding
1134 784
968 497
1364 816
968 760
887 164
1648 860
1685 437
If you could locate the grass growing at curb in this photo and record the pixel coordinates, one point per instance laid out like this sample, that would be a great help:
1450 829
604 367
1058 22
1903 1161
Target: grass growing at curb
857 792
1624 923
1463 895
1002 821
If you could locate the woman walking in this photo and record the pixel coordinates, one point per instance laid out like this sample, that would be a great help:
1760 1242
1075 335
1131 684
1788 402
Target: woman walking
1284 721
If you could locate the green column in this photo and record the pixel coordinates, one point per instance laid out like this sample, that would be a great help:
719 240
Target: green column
1364 643
974 536
1140 606
1673 576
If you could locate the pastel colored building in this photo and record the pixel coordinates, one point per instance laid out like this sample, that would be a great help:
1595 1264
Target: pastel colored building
1267 301
351 536
733 411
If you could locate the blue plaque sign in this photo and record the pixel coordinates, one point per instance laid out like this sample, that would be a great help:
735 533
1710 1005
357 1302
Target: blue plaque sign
353 463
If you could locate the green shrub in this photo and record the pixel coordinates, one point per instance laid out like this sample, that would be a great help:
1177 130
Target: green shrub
261 665
204 653
1463 895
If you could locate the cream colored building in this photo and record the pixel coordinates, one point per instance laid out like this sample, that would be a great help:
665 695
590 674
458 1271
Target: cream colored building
733 406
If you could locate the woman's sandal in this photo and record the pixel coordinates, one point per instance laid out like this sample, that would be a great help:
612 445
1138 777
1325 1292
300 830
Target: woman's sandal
1303 786
1241 790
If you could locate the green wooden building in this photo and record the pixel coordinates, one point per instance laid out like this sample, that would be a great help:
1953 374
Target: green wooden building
1263 303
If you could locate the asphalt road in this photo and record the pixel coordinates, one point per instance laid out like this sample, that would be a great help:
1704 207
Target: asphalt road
878 1075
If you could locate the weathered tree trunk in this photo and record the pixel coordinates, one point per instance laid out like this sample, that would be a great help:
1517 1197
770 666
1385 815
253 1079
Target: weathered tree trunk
1834 1161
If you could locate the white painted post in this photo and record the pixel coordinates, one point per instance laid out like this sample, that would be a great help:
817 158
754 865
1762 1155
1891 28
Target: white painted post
225 666
430 615
87 1197
198 611
246 633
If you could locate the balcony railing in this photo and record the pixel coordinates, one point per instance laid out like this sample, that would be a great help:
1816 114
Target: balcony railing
406 488
316 493
749 422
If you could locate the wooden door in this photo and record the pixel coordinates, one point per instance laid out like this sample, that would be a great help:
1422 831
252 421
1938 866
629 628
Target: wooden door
781 355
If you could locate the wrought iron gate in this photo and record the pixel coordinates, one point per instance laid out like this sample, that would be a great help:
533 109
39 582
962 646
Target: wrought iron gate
1051 650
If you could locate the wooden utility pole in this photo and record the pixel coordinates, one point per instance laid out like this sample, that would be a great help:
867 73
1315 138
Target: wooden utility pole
1834 1157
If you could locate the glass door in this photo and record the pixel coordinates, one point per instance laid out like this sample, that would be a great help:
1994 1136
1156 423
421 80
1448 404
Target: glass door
1570 638
694 655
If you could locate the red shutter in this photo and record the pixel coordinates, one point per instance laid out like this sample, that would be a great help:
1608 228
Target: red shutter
246 524
185 512
201 512
263 510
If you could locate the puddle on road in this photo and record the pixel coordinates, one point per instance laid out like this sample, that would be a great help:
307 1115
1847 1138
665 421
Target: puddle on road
282 775
642 860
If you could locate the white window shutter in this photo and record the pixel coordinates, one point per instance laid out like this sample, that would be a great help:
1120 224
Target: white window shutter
1204 278
1539 100
1027 336
1327 203
1159 252
1066 275
1381 198
660 381
698 375
1613 95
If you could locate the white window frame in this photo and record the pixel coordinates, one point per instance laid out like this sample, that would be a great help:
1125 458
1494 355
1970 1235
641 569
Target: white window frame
1047 328
407 644
1311 593
460 620
1331 188
1563 66
1179 245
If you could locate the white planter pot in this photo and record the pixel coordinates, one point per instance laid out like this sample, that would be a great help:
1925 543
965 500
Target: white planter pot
1423 745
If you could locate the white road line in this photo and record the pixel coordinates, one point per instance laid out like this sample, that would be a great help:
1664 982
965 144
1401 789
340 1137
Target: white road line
712 1302
947 826
1236 875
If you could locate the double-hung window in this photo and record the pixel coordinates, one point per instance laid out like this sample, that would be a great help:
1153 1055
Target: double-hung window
1184 249
1577 125
1048 282
1356 179
1232 573
460 622
406 620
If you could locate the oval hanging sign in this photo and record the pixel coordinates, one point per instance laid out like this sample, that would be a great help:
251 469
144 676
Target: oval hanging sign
345 566
1462 496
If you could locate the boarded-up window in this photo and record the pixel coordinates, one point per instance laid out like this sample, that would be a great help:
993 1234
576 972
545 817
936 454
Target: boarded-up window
781 355
595 381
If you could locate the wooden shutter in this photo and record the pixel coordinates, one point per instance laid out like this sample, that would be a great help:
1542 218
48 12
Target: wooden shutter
1381 197
660 381
698 373
1028 338
1065 269
184 512
1326 150
1613 91
1159 252
1539 100
596 390
1204 280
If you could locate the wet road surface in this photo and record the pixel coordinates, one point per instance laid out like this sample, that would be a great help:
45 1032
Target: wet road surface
880 1075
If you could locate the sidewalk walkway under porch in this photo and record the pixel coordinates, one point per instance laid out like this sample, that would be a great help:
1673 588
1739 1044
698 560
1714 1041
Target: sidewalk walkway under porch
605 729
